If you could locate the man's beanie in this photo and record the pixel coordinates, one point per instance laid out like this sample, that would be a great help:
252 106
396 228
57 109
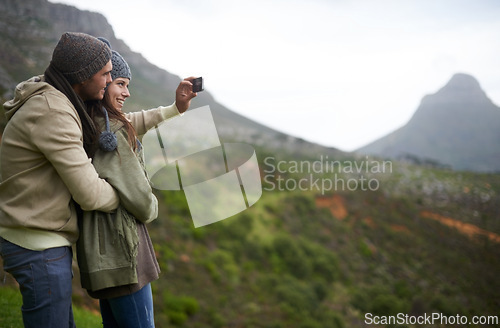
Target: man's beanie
120 66
78 56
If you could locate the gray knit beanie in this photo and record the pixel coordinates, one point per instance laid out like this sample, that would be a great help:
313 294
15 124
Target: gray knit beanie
79 56
120 66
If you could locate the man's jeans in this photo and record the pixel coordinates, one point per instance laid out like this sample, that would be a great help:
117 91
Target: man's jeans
130 311
44 279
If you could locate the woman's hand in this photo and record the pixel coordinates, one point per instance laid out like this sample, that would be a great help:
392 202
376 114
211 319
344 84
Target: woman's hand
184 94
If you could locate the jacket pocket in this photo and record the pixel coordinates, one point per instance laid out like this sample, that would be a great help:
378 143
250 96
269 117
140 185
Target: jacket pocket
118 239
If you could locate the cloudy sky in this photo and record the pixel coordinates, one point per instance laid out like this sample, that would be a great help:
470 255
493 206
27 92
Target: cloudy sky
340 73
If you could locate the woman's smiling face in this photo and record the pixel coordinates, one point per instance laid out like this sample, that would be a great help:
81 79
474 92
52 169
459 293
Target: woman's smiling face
116 92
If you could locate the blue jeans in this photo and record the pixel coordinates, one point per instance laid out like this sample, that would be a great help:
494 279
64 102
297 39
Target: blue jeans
44 279
129 311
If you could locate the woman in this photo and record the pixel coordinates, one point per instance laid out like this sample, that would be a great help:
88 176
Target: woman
115 254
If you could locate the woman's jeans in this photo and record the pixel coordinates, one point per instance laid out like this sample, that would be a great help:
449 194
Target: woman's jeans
44 279
129 311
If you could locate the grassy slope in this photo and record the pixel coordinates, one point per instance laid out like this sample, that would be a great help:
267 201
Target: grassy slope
289 262
302 259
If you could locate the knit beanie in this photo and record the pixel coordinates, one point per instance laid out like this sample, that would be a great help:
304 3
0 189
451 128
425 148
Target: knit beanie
120 66
78 56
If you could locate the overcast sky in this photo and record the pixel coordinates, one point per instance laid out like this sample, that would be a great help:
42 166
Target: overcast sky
340 73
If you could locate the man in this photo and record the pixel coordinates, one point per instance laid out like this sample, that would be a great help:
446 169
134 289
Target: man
44 166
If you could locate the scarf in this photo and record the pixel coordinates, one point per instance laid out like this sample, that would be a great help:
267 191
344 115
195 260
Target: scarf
55 78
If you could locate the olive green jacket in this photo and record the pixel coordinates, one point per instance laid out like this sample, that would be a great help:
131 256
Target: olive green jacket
108 243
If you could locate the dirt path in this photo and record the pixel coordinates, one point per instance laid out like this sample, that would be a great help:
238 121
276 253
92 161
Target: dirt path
467 229
335 204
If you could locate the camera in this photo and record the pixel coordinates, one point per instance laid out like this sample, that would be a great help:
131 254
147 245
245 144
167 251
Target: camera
197 84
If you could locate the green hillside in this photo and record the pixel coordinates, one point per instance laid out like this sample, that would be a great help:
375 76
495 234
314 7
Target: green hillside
307 259
303 259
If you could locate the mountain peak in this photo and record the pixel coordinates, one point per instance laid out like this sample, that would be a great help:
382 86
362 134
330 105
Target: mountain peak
457 126
462 82
461 88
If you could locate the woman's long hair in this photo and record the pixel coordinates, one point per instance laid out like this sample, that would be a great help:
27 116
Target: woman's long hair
115 114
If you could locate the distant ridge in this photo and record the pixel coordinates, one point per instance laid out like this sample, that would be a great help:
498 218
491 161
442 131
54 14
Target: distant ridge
457 127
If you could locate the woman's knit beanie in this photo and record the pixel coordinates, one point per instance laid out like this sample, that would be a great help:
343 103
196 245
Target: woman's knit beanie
78 56
120 66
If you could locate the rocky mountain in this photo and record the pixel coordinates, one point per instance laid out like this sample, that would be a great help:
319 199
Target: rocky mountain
458 127
30 29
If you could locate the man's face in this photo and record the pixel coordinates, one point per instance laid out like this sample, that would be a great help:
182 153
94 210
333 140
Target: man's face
93 88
